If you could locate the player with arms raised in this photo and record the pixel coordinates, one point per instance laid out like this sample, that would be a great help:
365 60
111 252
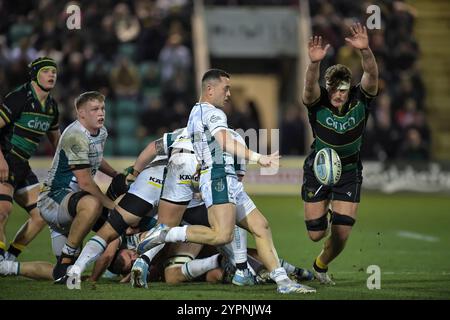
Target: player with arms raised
338 116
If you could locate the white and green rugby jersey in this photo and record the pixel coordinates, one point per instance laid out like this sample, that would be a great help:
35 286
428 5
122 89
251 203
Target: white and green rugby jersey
239 164
77 149
179 139
205 120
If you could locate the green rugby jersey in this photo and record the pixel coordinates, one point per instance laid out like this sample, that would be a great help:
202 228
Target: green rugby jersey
342 131
26 121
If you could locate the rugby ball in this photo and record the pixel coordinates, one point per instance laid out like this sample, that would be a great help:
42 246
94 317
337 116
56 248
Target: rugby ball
327 167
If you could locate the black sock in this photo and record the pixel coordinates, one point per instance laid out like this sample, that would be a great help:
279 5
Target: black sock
241 265
14 251
146 259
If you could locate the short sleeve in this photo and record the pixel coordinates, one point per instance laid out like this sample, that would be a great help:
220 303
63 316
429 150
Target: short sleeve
11 107
240 165
76 148
216 120
323 95
364 96
167 142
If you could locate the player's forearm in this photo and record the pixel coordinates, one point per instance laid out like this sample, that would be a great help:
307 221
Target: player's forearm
312 73
53 137
369 63
145 157
312 89
156 148
107 169
239 150
100 267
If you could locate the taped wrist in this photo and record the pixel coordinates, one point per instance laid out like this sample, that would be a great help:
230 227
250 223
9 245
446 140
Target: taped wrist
117 187
131 174
255 157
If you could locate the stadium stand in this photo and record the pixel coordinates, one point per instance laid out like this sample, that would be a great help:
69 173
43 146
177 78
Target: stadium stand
143 63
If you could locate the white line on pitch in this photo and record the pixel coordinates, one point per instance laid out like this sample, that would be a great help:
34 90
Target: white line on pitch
416 236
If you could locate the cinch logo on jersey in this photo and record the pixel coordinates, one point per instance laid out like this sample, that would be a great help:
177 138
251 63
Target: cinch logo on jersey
341 126
39 125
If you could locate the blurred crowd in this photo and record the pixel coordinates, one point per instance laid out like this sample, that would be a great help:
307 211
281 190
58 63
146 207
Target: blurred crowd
397 128
139 54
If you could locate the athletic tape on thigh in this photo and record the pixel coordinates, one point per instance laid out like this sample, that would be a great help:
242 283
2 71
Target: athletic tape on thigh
73 202
116 221
30 207
177 260
135 205
5 197
318 224
342 220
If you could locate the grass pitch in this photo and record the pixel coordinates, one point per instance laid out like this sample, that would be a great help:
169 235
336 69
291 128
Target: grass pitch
406 235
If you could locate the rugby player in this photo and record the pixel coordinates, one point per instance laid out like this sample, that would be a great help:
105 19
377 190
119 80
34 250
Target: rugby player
338 115
26 115
207 128
70 200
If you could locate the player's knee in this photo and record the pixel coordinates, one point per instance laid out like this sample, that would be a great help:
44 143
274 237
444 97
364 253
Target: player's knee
342 225
338 219
91 203
317 227
173 275
261 228
224 237
82 201
316 235
5 207
4 213
214 275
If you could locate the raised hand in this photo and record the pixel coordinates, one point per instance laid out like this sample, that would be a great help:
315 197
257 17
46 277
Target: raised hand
315 50
359 38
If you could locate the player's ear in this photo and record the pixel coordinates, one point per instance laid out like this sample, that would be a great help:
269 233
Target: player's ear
81 111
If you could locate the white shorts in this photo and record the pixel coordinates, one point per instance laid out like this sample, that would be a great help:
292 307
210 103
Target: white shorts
178 182
244 204
56 214
148 185
218 191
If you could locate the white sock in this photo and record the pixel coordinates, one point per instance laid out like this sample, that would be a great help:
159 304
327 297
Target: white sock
287 266
239 245
176 234
69 250
9 268
153 251
197 267
93 249
279 275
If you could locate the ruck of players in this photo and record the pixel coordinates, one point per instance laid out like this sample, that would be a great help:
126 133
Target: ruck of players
180 212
